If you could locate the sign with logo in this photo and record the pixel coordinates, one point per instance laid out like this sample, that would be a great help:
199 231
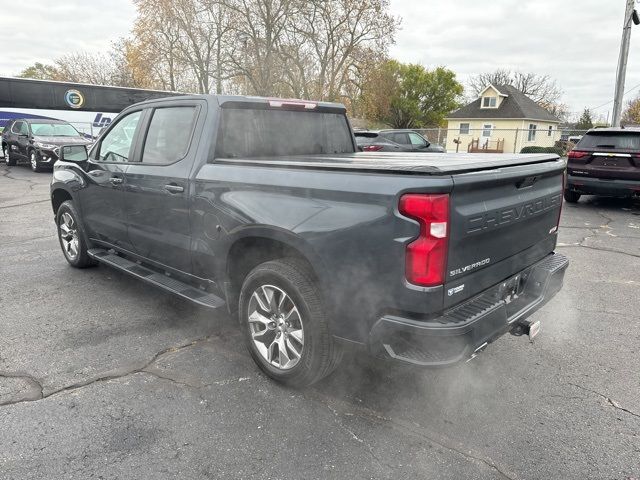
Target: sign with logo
74 98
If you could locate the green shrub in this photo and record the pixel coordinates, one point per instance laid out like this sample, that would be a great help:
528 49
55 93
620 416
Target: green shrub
533 149
536 149
557 150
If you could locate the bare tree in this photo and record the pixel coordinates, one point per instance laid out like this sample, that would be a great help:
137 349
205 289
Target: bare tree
333 31
542 89
204 25
311 49
84 67
153 50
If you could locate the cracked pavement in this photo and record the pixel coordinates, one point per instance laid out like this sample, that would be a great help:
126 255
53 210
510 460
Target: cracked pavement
104 377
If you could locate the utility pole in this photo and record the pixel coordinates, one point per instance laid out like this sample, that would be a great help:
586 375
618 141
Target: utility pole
622 64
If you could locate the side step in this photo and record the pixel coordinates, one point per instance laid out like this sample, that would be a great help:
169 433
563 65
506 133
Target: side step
165 282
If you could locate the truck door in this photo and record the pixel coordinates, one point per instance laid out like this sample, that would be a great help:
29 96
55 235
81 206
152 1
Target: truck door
157 187
102 201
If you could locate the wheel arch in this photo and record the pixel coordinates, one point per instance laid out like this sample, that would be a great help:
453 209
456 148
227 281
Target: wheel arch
58 197
253 246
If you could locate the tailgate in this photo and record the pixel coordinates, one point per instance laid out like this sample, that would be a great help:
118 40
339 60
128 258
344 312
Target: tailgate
501 221
605 165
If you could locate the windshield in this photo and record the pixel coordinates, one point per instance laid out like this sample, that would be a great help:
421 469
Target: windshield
613 141
53 130
266 133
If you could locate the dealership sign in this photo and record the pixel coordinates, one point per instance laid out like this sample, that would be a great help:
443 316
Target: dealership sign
74 98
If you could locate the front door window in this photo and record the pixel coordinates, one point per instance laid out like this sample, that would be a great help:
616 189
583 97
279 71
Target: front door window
116 146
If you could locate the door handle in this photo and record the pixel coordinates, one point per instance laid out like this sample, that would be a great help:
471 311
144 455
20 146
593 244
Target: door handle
173 188
115 180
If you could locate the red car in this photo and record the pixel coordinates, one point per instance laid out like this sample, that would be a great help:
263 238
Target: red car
606 161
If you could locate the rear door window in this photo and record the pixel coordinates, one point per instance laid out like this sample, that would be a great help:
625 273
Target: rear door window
399 137
246 133
169 135
611 141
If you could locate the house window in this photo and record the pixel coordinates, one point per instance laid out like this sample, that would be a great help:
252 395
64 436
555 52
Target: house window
486 130
489 102
464 129
550 131
532 132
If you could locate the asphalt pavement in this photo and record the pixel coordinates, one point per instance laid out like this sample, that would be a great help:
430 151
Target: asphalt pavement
103 377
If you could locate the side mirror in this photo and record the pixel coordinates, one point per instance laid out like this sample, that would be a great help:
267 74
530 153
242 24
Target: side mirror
73 153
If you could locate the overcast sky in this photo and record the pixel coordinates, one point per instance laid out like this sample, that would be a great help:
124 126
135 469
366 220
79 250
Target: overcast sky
576 42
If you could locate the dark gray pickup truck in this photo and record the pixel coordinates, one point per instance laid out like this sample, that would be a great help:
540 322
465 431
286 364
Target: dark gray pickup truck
265 206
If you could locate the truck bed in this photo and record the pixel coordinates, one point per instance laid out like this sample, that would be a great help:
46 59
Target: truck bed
402 163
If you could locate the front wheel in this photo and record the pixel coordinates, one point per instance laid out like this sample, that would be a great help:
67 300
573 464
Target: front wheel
571 196
285 324
8 158
72 236
33 160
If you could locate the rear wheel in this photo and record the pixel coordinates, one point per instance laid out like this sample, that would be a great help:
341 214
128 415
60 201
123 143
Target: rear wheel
571 196
8 158
72 236
284 323
33 160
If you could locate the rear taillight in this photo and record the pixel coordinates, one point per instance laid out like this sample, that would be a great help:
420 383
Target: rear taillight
574 154
372 148
426 256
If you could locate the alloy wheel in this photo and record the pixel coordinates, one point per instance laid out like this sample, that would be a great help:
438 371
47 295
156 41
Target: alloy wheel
69 236
6 155
34 161
276 327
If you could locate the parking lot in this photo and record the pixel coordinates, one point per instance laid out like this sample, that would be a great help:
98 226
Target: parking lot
103 377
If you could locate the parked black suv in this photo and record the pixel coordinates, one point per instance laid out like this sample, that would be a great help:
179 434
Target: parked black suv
606 161
395 141
37 140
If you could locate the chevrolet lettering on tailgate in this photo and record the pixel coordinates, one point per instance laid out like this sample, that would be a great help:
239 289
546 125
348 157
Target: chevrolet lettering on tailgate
516 213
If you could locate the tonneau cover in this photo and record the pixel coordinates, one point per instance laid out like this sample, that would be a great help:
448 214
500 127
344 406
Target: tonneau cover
406 163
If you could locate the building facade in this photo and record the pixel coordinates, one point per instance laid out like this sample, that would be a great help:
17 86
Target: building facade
502 119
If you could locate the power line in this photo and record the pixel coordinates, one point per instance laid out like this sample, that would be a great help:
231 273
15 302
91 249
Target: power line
611 101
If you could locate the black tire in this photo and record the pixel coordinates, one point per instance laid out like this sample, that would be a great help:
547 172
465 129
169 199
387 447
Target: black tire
82 258
571 196
320 354
33 161
8 159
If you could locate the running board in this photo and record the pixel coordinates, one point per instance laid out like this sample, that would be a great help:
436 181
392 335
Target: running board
153 277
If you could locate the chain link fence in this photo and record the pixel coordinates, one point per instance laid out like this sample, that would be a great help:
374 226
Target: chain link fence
494 140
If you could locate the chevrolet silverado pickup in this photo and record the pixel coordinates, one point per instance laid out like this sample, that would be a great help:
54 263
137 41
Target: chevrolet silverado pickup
265 207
